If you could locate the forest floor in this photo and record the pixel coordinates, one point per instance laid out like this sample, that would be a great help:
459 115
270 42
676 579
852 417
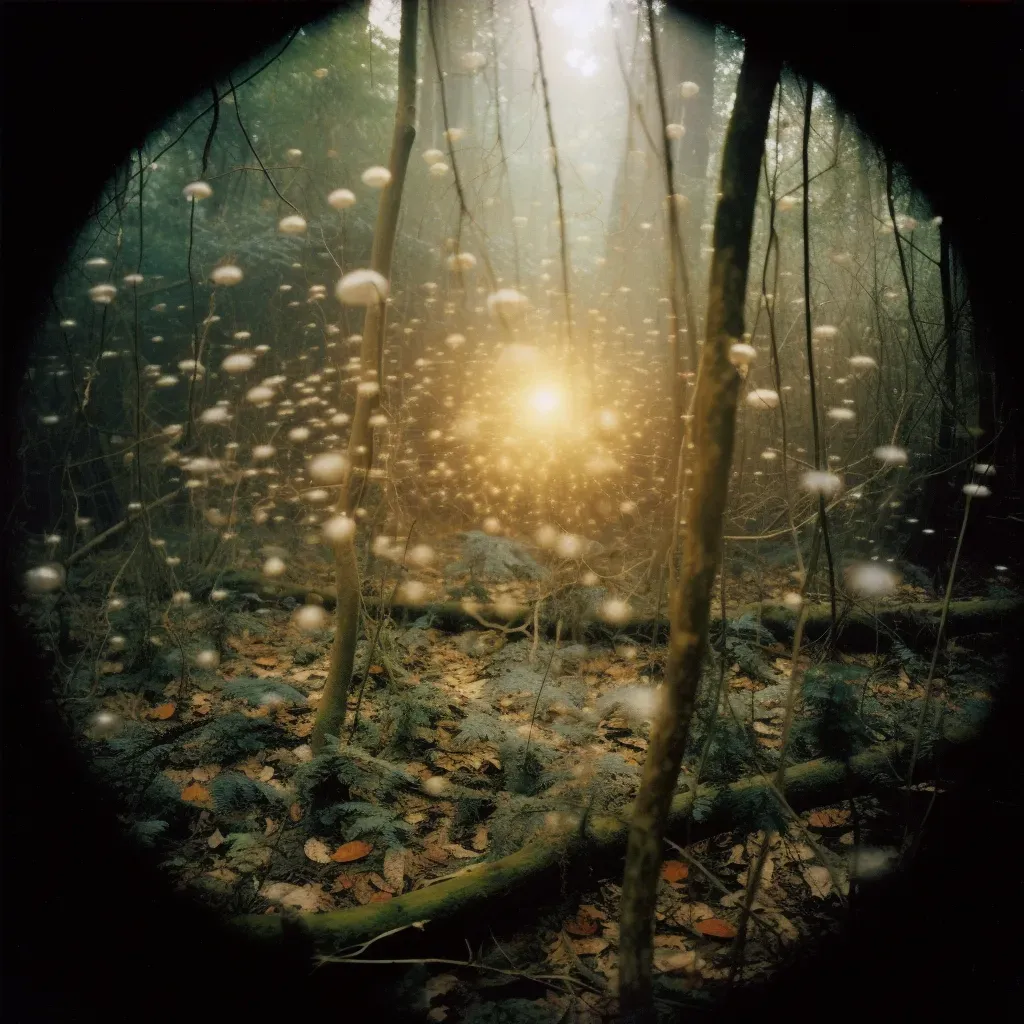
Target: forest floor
436 705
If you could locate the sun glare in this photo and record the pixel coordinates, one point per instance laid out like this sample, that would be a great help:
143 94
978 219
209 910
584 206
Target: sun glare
545 400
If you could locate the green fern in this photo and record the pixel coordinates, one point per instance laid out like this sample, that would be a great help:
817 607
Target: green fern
233 736
362 820
234 792
331 778
480 727
264 691
752 808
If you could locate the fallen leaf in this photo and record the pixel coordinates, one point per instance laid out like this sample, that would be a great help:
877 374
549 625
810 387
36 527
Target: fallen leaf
380 897
439 985
163 711
271 827
581 925
415 817
196 794
738 855
716 928
267 774
376 670
589 946
356 850
480 838
206 772
667 960
829 817
674 870
438 1013
295 812
818 880
394 868
223 874
342 882
266 662
303 897
215 840
316 850
460 851
594 912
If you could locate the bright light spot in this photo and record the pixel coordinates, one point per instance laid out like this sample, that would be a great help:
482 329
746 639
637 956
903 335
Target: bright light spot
545 400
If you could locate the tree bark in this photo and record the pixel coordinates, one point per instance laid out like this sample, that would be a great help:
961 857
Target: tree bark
331 711
713 431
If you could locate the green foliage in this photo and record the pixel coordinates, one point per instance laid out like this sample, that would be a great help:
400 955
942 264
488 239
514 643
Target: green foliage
834 727
362 820
730 752
751 808
233 792
161 799
305 654
330 780
402 711
147 833
130 760
523 765
480 727
511 1011
233 736
495 559
264 691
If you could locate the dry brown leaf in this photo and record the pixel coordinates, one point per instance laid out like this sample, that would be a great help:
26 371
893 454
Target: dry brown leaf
215 840
479 842
591 946
438 1013
163 711
674 870
316 850
460 851
439 985
271 827
582 924
268 661
738 855
196 794
394 869
295 812
818 880
310 898
267 774
303 729
668 960
829 817
690 913
670 941
223 874
415 817
342 882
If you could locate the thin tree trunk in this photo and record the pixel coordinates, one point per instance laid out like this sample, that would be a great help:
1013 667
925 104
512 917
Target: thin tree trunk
331 712
713 430
946 421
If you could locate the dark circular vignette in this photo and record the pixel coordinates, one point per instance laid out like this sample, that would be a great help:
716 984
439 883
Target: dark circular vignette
89 925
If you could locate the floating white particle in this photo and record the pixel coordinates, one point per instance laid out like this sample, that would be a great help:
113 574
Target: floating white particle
840 414
473 60
742 354
438 170
207 659
341 199
976 491
259 395
376 177
215 415
420 555
44 579
310 618
133 279
238 362
102 294
274 566
329 467
192 368
97 261
180 598
461 261
299 434
793 601
491 525
436 785
197 190
674 131
507 305
432 156
226 275
871 580
338 529
863 362
824 332
820 482
569 545
293 224
455 134
984 469
615 611
762 398
891 455
362 288
412 592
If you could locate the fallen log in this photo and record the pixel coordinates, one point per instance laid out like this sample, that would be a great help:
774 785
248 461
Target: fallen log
564 860
915 625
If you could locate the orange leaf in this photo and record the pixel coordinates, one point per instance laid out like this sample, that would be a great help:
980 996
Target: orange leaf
829 818
163 711
674 871
295 812
376 670
380 897
196 794
356 850
582 924
716 928
265 662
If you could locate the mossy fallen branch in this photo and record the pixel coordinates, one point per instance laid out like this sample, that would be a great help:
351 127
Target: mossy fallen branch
569 859
915 624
